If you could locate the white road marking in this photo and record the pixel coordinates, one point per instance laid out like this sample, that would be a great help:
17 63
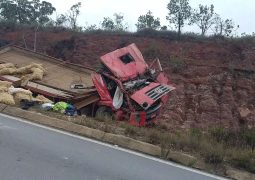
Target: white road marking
7 127
117 148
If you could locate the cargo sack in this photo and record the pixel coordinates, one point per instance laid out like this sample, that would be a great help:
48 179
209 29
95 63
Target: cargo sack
6 98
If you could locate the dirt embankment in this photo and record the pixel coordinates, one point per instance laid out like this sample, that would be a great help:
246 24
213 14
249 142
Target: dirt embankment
215 79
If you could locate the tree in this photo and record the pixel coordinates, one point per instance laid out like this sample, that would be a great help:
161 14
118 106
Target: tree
8 10
108 24
61 20
119 22
92 27
163 28
116 24
42 11
148 21
73 14
179 12
26 12
224 27
204 18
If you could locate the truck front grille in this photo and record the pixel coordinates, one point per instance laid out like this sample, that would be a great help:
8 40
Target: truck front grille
158 92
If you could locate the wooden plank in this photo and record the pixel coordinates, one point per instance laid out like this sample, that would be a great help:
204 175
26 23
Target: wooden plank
87 101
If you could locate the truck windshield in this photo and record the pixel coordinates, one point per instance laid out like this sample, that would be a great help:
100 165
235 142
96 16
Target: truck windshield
127 58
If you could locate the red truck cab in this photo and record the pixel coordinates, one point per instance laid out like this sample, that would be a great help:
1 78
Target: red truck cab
129 88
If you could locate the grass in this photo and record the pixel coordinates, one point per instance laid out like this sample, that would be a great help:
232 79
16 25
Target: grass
152 52
177 64
242 159
217 146
213 153
130 131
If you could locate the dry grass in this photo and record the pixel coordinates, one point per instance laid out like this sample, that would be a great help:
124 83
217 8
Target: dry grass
130 131
244 159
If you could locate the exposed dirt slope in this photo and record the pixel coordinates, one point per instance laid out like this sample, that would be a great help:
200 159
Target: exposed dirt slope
215 79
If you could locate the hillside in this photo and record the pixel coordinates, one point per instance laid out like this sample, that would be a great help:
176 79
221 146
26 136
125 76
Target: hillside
214 78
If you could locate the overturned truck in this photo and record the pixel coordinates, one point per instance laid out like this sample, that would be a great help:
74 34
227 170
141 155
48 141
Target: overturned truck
125 87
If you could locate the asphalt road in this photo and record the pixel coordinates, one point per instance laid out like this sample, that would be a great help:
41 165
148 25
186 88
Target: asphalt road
33 152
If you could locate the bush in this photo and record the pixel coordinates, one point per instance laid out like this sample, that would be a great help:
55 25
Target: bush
64 47
196 133
154 137
213 153
107 32
165 145
152 52
171 35
242 138
185 141
108 129
3 42
243 159
221 135
8 25
123 42
130 130
177 65
248 136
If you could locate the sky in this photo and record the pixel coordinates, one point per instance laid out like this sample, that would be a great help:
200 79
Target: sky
242 12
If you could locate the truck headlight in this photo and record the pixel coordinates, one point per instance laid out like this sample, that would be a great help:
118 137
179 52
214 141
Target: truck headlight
145 105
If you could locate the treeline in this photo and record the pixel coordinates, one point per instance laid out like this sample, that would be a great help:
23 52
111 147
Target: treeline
39 13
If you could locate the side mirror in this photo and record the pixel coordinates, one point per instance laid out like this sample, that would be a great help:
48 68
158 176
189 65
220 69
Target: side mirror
156 65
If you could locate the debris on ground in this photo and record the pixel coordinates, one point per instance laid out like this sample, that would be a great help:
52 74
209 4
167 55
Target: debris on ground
26 104
11 95
47 106
60 107
70 110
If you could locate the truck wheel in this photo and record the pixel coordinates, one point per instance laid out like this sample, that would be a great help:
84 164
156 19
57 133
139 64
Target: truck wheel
104 113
